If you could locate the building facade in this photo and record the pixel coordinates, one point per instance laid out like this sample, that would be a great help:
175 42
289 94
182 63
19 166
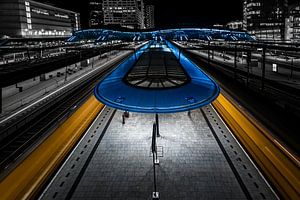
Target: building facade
124 13
96 16
27 19
235 25
265 19
149 17
292 24
245 15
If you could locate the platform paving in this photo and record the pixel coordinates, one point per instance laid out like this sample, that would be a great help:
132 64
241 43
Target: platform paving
192 164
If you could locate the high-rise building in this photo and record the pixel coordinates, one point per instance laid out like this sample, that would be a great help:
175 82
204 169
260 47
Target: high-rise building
141 13
96 17
149 17
265 19
27 18
292 24
244 15
124 13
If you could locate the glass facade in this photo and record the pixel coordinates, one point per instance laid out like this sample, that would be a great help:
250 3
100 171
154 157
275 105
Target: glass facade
265 18
125 13
293 24
96 16
149 17
26 18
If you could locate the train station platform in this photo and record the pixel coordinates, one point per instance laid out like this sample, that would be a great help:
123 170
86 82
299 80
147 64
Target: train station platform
34 90
198 156
93 150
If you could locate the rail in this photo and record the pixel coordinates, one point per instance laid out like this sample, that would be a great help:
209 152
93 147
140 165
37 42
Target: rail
31 175
281 167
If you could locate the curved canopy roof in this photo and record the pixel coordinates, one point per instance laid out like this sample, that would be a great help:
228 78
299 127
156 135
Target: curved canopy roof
198 91
103 35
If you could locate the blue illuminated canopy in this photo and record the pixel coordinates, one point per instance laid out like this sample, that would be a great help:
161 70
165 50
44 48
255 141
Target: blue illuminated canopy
195 91
104 35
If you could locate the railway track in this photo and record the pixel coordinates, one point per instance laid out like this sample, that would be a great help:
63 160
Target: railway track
25 136
276 162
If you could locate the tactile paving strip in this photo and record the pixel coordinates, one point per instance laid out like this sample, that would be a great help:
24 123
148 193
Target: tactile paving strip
60 186
251 178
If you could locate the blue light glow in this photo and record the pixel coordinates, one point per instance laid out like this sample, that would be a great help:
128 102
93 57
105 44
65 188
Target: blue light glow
114 92
103 35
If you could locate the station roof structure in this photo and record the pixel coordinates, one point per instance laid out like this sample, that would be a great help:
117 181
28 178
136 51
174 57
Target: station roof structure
142 86
103 35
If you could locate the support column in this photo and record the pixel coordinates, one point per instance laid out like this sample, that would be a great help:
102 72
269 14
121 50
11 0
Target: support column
28 54
263 69
0 100
66 73
235 62
208 52
157 125
292 68
248 66
155 194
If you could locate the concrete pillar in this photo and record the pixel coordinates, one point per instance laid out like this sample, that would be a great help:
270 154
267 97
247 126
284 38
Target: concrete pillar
292 68
248 66
0 100
28 54
157 125
263 68
208 52
66 73
235 61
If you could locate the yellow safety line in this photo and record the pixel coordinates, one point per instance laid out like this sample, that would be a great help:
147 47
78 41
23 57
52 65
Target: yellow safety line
29 176
280 166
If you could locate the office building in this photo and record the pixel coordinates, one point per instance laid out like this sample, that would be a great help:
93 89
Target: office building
244 15
149 17
235 25
292 24
265 19
96 17
124 13
27 19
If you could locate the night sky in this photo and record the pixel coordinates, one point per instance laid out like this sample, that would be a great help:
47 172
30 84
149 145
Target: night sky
174 13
